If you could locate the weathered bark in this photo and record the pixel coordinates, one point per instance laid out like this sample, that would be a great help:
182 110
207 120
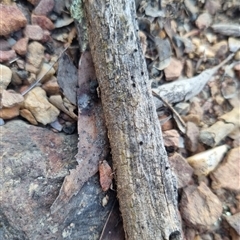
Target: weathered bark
145 185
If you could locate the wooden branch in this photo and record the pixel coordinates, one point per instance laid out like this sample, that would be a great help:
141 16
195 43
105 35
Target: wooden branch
146 188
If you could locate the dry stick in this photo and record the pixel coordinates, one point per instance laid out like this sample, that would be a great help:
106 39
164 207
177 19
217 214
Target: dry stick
146 187
34 84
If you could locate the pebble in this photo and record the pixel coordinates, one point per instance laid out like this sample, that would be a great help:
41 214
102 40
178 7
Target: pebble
51 87
12 19
205 162
182 170
6 56
56 125
9 113
25 113
42 21
234 221
21 46
44 7
199 207
171 139
182 108
35 56
36 102
220 49
11 98
1 122
227 174
234 44
204 20
34 32
5 76
192 137
45 74
174 70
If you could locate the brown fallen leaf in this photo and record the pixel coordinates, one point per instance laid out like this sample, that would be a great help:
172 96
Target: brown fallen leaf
106 175
93 142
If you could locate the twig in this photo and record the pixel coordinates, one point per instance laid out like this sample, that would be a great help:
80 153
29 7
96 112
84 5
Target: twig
178 117
34 84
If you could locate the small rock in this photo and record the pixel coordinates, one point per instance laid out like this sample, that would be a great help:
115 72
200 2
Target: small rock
21 46
36 102
166 122
42 21
171 138
4 45
34 32
203 21
183 171
6 56
31 78
182 108
234 221
205 162
234 44
5 76
46 72
199 207
10 98
174 70
35 56
46 36
44 7
220 48
12 19
227 174
192 136
9 113
56 125
237 56
1 122
25 113
212 6
51 87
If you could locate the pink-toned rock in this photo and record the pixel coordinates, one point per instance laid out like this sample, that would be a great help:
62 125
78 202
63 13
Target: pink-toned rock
34 32
46 36
21 46
43 21
227 175
199 207
183 171
171 138
35 56
6 56
234 221
204 20
174 70
12 19
44 7
192 136
9 113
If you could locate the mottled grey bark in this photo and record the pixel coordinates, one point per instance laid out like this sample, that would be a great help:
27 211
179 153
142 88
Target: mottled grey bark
145 185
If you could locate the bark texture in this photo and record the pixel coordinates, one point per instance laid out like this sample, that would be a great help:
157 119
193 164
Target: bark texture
146 187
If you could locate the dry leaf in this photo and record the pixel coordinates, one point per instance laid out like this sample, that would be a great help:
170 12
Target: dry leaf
106 175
